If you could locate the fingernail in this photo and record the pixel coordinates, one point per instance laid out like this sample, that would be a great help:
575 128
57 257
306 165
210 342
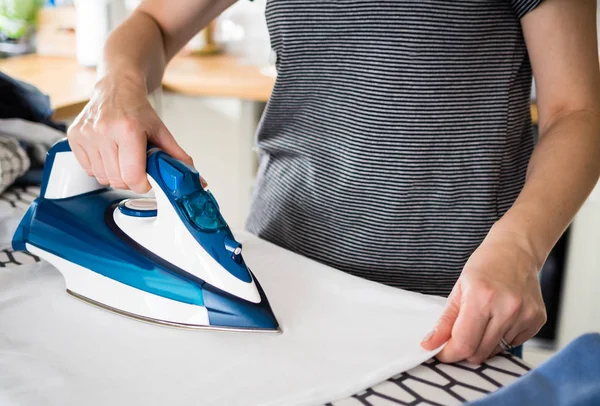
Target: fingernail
430 335
203 182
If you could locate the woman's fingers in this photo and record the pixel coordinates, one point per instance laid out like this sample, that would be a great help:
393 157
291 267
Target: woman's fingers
467 332
84 143
109 137
494 332
443 328
81 156
529 323
506 313
203 182
98 166
501 299
476 320
523 336
110 157
514 322
165 141
513 332
132 162
77 142
110 144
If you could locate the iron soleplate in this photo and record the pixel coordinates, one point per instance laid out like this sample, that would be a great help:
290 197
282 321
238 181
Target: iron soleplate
168 323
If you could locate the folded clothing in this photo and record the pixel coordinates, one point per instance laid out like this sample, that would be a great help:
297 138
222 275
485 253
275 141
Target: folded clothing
26 116
570 378
14 161
35 139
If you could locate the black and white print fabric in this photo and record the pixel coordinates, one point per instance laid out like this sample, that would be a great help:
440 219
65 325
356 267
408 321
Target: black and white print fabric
437 384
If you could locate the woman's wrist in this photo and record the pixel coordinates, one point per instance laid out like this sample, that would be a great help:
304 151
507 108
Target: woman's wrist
120 85
520 229
134 78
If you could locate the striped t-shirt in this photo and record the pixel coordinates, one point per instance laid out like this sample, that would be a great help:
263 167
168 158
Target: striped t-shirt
397 133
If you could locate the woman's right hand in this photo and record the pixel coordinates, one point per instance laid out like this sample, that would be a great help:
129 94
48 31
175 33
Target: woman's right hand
110 135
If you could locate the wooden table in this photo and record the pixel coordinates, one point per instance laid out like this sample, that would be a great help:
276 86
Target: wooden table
70 85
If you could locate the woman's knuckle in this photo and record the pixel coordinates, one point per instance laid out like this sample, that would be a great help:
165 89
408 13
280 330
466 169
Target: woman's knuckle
486 292
532 314
100 126
513 304
86 131
485 297
542 316
128 125
73 131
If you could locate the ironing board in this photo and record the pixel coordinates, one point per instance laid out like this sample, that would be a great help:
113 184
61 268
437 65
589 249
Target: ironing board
431 383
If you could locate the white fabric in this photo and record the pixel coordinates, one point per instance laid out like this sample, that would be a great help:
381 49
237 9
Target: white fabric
341 334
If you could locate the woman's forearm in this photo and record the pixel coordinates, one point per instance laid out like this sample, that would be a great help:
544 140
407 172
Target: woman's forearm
135 50
140 48
563 170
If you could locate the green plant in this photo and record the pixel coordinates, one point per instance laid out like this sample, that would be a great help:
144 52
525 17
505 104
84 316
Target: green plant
17 16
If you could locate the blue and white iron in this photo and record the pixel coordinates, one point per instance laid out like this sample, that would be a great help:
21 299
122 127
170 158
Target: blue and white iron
169 259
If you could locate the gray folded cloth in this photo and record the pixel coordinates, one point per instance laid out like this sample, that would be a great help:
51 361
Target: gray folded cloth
23 148
14 161
38 137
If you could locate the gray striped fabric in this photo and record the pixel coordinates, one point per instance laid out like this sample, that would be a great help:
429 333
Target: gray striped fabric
398 132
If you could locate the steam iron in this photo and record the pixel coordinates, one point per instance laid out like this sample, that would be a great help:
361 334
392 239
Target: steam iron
170 259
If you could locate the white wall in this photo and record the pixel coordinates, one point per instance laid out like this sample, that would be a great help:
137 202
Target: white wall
580 308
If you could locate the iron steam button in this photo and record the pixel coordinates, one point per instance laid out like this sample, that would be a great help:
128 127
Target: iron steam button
171 175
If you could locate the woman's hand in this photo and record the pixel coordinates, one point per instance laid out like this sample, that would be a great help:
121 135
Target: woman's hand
497 296
109 137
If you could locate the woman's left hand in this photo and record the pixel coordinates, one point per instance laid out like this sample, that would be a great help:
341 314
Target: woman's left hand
497 296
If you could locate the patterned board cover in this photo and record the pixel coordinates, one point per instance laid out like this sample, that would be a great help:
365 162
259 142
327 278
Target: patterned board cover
432 383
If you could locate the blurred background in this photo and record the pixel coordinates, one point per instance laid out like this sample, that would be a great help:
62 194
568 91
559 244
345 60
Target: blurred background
212 98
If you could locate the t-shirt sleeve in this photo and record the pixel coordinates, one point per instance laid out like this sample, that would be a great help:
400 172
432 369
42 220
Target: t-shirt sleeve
523 7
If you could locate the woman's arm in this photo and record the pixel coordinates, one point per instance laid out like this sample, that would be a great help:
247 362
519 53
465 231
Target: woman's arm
141 47
498 295
565 166
110 135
